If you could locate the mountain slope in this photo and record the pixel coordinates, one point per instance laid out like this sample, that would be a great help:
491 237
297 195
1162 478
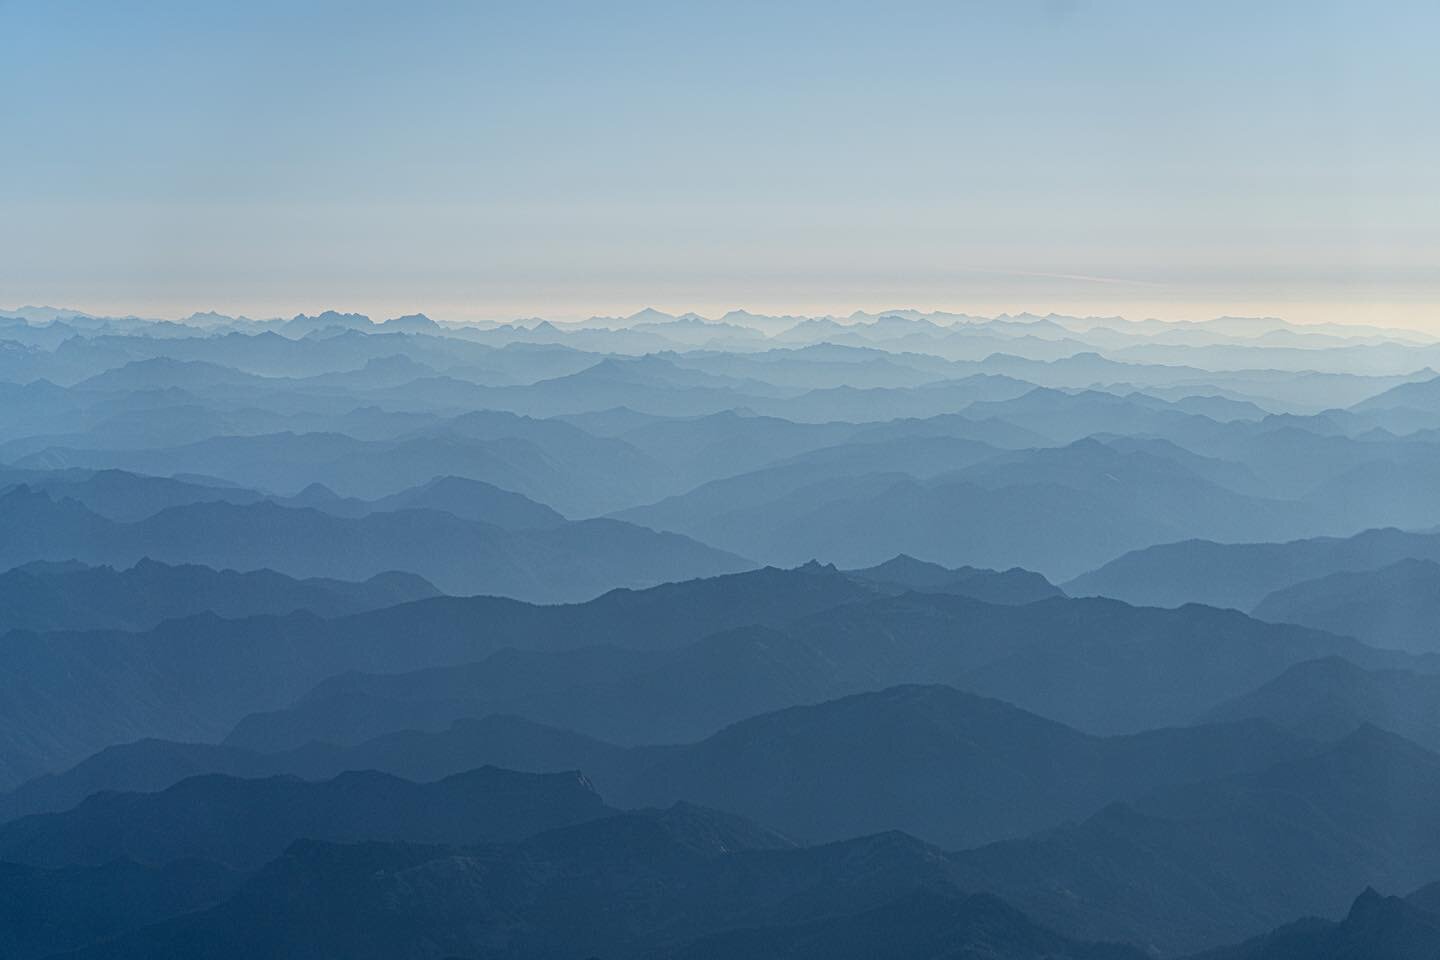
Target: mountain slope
1240 575
1329 698
44 912
1057 510
1100 666
674 663
153 765
546 460
1376 928
245 823
53 596
128 497
463 497
66 695
1194 866
637 887
1395 606
567 562
1423 396
949 767
927 925
1015 585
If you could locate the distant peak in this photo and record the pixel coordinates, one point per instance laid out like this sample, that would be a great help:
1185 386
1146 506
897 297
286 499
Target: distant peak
317 492
1372 907
411 321
815 566
649 315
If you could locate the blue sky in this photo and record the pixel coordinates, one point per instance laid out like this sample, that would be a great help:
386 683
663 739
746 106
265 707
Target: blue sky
497 160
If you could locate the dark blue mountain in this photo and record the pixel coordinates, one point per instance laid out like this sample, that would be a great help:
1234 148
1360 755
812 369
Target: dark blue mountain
685 882
51 911
1194 866
1240 575
43 596
949 767
245 823
559 561
1376 928
1395 606
1330 698
1056 510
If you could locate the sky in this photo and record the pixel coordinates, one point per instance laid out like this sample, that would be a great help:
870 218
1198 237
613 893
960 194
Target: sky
498 160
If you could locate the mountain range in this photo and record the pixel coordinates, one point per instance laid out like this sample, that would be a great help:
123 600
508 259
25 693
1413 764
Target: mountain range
1241 575
458 555
904 633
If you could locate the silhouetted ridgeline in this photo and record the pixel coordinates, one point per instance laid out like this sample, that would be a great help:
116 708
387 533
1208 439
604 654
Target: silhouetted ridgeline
682 661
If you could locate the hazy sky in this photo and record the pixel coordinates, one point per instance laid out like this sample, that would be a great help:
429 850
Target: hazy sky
496 160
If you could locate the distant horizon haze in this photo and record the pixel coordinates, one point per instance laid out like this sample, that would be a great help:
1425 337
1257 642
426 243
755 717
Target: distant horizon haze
472 313
498 160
